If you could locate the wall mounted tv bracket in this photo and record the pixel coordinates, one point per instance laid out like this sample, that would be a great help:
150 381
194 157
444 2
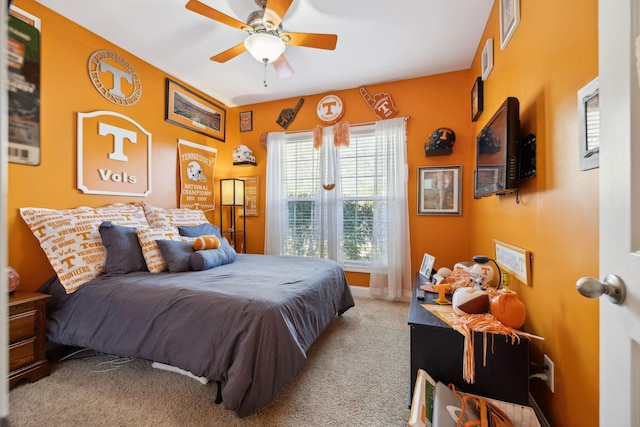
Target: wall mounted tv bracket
527 157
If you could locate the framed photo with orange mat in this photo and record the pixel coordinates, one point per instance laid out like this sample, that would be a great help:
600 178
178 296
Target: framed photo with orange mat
187 109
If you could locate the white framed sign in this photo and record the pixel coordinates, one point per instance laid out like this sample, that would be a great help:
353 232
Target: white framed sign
514 260
114 155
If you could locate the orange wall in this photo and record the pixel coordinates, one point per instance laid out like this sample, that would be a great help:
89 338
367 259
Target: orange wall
66 90
430 102
552 54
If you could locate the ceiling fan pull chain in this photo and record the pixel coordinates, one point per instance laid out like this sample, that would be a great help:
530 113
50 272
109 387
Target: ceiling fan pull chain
265 72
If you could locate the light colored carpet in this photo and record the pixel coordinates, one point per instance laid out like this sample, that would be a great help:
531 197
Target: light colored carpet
357 374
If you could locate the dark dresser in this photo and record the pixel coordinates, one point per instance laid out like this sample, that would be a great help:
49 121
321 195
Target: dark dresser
438 349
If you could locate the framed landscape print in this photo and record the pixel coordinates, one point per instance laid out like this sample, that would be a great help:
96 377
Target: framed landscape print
190 110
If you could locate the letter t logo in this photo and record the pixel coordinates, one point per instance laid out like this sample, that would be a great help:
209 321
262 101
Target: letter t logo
119 136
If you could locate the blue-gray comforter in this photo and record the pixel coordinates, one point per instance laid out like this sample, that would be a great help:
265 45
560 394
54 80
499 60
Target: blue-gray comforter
247 324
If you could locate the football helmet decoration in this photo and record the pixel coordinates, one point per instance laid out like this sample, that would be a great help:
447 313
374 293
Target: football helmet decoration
243 154
440 142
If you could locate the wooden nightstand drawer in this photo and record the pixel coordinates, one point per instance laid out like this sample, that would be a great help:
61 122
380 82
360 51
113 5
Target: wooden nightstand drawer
27 354
22 326
22 354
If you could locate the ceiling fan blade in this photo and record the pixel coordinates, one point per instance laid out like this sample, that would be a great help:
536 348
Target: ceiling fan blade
209 12
282 67
274 12
318 41
229 53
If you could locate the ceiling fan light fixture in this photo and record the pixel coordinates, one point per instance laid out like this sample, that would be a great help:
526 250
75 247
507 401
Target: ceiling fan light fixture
264 46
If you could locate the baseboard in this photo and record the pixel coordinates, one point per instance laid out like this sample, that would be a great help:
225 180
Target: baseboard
541 418
363 291
360 291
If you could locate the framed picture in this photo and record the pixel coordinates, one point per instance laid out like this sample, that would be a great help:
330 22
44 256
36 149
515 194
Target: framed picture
246 121
439 189
427 265
477 99
189 110
251 196
487 59
589 122
509 20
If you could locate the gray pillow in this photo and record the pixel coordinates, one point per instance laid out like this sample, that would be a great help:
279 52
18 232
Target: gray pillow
124 253
176 254
210 258
205 229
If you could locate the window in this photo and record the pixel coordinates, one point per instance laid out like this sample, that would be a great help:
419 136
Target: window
361 187
344 203
313 227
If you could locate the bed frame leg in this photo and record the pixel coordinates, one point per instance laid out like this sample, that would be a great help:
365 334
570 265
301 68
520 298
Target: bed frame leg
219 393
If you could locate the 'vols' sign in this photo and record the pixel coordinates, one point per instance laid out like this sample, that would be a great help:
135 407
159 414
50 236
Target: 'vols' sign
114 155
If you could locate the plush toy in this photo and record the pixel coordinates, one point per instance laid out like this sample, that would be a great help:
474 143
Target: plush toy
206 242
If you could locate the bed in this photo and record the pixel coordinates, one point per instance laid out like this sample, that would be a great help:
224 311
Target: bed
126 284
247 324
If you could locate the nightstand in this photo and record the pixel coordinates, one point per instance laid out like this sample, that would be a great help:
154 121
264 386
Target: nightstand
27 354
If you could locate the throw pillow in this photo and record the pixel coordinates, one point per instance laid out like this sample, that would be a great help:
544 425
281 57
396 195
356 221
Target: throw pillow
199 230
176 254
71 240
210 258
152 255
206 242
173 217
124 253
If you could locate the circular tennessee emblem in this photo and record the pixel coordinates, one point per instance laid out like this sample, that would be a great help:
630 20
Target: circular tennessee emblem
330 109
114 78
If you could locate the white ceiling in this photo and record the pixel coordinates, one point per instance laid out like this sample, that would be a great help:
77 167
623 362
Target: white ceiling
378 41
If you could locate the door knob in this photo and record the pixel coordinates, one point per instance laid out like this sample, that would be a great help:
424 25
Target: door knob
613 287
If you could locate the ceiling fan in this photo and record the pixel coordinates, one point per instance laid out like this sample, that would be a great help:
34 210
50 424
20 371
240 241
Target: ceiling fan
267 40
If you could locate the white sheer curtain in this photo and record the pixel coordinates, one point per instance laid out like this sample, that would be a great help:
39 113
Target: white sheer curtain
326 218
276 217
391 264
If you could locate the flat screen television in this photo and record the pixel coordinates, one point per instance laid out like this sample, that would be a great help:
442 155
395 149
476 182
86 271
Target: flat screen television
497 152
